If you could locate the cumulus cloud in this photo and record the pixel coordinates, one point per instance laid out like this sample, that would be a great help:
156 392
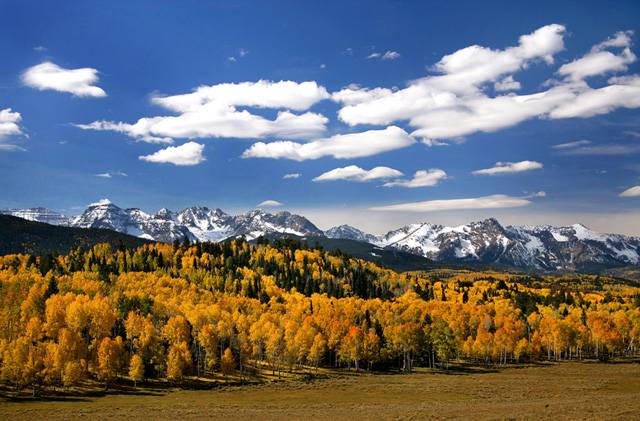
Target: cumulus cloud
599 61
343 146
112 174
509 167
184 155
457 91
79 82
507 84
631 192
212 111
422 178
622 92
9 123
291 176
9 126
355 173
573 144
461 74
260 94
354 94
270 204
486 202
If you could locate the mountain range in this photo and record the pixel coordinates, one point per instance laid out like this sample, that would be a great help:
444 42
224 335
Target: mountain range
534 248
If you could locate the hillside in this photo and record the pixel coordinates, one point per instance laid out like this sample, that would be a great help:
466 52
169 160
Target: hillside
18 235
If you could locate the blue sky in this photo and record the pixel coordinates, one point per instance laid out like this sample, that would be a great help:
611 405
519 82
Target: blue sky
434 104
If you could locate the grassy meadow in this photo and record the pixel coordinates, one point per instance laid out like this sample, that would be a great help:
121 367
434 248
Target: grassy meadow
570 390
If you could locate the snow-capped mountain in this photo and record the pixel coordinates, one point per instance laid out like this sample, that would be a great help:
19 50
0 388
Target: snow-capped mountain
133 221
194 223
255 223
533 247
205 224
351 233
38 214
543 248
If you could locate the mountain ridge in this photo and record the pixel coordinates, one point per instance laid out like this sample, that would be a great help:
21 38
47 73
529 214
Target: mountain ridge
531 247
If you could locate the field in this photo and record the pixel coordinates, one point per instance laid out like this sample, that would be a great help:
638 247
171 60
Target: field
586 390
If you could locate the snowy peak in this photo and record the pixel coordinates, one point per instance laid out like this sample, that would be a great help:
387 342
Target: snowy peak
205 224
257 222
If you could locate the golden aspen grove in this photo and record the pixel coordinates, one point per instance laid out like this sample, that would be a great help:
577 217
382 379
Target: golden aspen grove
183 311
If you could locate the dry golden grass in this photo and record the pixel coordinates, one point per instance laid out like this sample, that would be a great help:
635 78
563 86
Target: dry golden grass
550 391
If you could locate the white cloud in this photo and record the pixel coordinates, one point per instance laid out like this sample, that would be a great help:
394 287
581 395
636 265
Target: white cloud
40 49
620 39
270 204
79 82
509 167
462 73
631 192
387 55
231 58
243 52
9 123
9 126
422 178
487 202
623 92
344 146
184 155
458 93
573 144
112 174
507 84
260 94
607 149
632 133
354 94
390 55
599 61
291 176
537 194
11 148
355 173
211 111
